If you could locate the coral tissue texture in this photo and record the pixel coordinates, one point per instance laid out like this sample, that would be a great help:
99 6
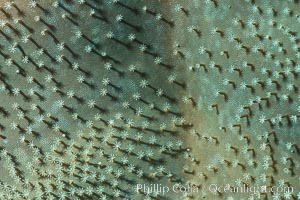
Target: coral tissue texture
152 100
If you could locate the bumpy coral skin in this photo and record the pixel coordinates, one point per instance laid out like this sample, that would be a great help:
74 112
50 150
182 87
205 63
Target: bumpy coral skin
98 97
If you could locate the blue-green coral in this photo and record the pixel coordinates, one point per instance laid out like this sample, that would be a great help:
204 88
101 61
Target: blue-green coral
100 96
